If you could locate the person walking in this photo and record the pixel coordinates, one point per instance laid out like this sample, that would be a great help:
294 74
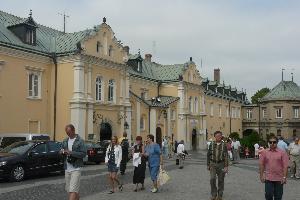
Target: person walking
125 151
181 154
153 152
294 152
256 149
236 146
73 151
170 144
139 163
229 148
273 168
282 145
217 164
113 159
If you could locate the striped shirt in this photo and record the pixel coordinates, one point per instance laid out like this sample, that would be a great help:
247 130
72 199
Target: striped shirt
217 153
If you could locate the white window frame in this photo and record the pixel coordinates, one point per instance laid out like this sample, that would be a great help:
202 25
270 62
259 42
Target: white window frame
99 95
279 114
296 112
264 112
111 90
220 110
29 36
211 109
34 91
249 113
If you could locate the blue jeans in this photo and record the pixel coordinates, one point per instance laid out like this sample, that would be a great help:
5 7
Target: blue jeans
273 190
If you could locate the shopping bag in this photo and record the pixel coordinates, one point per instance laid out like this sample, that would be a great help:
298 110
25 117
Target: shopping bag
163 177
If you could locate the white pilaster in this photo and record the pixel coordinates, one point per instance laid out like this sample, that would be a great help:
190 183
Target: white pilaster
89 84
78 91
153 121
138 118
78 117
169 122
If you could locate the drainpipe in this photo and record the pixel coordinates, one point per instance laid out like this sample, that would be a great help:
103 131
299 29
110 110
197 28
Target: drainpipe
54 57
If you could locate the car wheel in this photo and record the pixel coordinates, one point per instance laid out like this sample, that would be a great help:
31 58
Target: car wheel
17 173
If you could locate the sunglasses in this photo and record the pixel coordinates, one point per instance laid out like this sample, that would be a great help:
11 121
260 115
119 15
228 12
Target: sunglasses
273 142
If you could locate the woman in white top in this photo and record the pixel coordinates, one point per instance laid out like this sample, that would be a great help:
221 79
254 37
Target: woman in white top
180 153
113 160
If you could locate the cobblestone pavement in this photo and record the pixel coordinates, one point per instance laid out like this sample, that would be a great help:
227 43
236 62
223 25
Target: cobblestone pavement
191 183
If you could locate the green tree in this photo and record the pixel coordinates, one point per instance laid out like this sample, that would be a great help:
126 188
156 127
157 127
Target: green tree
234 135
259 94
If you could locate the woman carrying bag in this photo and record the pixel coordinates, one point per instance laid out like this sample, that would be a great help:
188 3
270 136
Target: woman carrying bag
113 159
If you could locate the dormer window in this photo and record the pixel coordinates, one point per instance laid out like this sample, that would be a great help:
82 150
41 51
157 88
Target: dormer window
30 36
139 66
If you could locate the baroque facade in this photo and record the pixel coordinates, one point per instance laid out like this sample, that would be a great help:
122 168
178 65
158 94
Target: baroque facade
49 78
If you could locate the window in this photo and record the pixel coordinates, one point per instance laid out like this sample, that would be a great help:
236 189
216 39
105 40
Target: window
239 113
233 112
99 89
264 112
9 140
220 110
41 148
190 104
139 67
54 146
142 123
111 88
196 103
110 51
34 85
30 36
279 112
296 112
249 113
98 47
173 114
211 109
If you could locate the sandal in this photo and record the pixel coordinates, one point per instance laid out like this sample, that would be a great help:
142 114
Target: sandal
111 192
121 187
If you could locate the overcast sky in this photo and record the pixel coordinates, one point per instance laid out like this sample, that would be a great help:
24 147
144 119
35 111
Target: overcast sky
249 40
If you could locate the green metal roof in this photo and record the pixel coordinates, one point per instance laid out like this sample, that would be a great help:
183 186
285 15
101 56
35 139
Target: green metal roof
285 90
48 40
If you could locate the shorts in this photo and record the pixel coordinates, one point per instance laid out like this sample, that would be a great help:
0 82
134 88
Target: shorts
73 181
154 172
112 167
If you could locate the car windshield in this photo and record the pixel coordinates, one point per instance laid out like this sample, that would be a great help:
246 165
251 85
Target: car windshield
17 148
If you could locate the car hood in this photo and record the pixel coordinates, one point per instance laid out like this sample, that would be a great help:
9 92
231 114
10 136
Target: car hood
7 156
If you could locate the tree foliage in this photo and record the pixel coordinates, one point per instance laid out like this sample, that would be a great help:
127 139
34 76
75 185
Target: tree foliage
234 135
259 94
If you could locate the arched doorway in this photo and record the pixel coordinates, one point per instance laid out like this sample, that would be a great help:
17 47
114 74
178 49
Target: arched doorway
158 136
248 132
105 131
194 139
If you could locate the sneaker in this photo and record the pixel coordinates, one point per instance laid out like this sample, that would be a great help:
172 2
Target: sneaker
292 176
297 177
154 190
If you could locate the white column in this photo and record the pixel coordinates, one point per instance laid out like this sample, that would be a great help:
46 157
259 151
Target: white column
78 103
138 118
90 124
153 121
169 122
122 87
89 84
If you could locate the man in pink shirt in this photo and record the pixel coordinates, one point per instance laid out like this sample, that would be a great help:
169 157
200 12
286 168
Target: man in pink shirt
273 167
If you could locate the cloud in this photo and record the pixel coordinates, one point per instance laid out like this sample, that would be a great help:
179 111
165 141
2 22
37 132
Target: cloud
249 40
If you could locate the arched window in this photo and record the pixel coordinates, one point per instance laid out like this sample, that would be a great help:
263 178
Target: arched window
111 88
98 47
98 89
196 103
110 51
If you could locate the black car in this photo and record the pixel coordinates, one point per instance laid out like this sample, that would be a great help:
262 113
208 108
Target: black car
26 158
95 153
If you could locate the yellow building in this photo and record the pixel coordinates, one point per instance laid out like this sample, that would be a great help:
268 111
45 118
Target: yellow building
50 78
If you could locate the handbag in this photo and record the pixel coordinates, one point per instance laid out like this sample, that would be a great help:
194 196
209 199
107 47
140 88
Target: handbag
163 177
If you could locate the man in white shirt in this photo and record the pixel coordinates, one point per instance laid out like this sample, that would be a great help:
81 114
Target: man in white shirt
282 145
180 153
236 145
294 152
256 149
74 150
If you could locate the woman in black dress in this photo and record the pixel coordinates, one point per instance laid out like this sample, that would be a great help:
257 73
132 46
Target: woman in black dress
139 161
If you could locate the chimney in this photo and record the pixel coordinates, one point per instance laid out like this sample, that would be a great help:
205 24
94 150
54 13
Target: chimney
217 75
126 49
148 57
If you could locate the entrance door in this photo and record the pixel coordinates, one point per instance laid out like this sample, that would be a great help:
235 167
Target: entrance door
158 136
194 139
105 131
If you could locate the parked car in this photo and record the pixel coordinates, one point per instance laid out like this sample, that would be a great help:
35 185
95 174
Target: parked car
95 153
7 139
27 158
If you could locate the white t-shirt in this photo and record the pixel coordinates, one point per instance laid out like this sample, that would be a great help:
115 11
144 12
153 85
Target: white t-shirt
180 148
256 147
70 167
236 144
294 149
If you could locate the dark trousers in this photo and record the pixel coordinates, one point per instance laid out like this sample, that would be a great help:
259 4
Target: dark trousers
123 163
273 190
216 172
